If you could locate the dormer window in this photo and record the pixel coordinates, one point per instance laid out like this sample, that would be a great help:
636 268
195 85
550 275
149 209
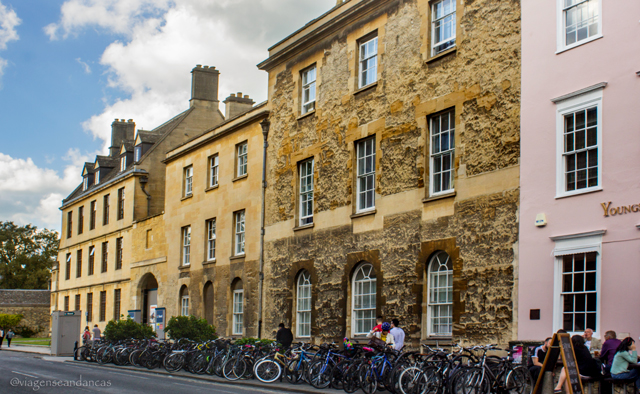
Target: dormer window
137 153
85 183
97 177
123 162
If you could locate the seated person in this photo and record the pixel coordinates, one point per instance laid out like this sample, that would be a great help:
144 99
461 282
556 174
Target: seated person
592 343
625 354
587 365
609 347
538 359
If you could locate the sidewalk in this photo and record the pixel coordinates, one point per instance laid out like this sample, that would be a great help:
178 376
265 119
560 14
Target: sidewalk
284 386
28 349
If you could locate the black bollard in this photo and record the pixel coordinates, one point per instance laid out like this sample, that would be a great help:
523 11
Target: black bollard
75 353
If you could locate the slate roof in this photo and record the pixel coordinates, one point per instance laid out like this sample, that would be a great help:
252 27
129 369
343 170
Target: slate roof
155 136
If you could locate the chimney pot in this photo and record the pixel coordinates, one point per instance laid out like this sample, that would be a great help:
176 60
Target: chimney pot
246 96
198 65
130 120
206 67
233 95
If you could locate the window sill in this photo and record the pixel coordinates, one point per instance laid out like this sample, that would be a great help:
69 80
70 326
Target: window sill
186 197
238 257
240 177
208 262
577 44
365 88
304 227
211 188
312 112
577 193
441 55
365 213
185 267
438 197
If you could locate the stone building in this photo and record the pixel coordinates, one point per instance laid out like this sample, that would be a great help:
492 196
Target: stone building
212 222
112 228
33 305
393 171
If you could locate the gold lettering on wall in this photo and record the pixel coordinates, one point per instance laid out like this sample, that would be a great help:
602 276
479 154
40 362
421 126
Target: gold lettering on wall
609 211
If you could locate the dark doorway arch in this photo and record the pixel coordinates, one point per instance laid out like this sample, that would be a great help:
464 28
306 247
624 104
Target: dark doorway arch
207 294
148 289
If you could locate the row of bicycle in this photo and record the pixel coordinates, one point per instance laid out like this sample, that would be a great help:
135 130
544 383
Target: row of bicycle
350 367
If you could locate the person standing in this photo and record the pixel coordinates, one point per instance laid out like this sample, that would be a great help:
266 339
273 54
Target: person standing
284 336
10 336
1 337
96 333
378 326
608 351
86 335
398 334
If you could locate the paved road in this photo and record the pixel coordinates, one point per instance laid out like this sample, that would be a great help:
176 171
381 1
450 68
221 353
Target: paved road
23 372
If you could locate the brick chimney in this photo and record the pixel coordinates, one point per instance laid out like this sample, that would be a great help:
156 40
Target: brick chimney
204 84
121 131
236 104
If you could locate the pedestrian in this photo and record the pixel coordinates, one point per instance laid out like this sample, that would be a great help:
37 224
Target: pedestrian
284 336
398 334
378 326
1 337
96 333
10 336
86 335
384 334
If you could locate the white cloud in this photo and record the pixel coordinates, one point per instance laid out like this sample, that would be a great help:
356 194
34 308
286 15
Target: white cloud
161 41
8 22
84 65
31 194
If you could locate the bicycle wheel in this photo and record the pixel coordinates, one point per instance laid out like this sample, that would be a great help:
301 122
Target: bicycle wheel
105 355
338 373
350 381
320 374
234 368
134 357
412 381
473 382
268 371
174 362
295 370
518 381
368 379
216 366
79 354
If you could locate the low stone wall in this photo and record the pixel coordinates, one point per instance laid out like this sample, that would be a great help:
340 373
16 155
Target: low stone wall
33 305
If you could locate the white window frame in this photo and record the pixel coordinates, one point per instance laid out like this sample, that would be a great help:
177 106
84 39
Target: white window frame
435 156
303 305
85 183
306 192
369 276
363 59
362 175
561 26
186 245
238 312
242 151
431 305
188 180
308 78
211 240
184 305
574 244
137 152
573 104
96 177
123 162
443 20
213 170
239 232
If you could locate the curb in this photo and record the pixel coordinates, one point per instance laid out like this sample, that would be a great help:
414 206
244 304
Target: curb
26 351
301 388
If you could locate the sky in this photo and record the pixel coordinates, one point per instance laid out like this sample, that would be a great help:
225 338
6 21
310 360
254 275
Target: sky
69 68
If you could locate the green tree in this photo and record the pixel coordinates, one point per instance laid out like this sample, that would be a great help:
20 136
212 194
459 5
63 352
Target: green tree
9 321
127 329
190 327
26 256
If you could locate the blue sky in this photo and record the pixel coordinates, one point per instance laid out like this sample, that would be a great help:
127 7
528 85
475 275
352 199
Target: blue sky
69 67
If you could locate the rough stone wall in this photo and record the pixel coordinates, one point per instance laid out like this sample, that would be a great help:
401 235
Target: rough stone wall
33 305
481 79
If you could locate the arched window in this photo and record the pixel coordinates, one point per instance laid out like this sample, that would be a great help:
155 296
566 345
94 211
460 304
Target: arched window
364 299
440 293
184 301
237 327
303 305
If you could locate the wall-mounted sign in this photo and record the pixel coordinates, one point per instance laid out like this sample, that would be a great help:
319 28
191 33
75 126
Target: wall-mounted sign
613 211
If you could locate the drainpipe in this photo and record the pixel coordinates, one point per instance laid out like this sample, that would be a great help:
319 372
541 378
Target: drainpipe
265 132
143 183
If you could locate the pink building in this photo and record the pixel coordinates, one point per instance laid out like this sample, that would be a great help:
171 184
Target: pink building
580 171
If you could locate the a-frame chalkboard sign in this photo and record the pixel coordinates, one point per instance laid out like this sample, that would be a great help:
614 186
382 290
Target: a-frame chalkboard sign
561 345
